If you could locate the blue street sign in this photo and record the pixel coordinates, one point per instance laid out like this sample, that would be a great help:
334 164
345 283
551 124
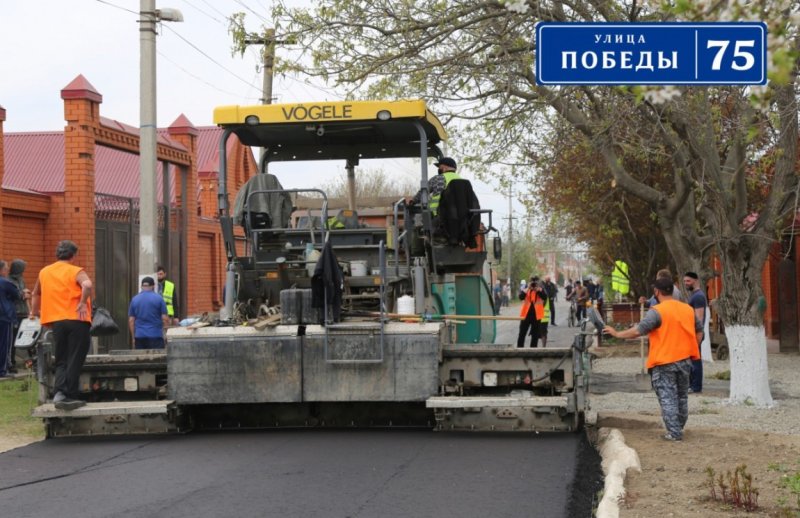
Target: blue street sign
723 53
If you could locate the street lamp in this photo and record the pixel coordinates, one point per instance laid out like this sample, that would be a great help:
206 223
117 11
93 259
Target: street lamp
148 216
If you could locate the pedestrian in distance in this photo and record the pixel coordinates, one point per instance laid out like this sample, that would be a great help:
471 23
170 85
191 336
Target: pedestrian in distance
23 305
62 296
9 295
676 292
552 292
506 294
698 301
581 295
531 313
147 317
674 333
498 297
166 289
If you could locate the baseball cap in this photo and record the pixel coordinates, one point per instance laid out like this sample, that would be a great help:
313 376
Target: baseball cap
148 281
446 161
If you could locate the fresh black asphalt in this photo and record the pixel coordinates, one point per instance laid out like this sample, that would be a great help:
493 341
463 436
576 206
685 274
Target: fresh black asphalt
306 473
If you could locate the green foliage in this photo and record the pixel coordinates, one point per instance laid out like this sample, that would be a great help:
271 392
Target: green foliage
238 33
792 483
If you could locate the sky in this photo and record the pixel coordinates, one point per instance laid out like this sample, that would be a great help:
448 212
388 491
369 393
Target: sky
47 43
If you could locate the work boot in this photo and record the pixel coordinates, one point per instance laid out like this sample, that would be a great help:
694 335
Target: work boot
69 404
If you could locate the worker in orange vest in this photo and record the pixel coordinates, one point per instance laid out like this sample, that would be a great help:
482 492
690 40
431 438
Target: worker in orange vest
675 333
532 312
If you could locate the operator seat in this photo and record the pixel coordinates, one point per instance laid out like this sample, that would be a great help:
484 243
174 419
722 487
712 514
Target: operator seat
457 222
249 211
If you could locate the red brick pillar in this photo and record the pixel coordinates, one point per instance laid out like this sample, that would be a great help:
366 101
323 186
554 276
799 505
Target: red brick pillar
74 218
2 173
184 132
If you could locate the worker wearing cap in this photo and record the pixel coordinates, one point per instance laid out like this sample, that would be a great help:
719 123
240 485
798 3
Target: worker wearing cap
437 184
148 317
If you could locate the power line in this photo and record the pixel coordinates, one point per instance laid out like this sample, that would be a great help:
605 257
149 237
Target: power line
195 47
204 12
252 11
178 66
118 7
212 6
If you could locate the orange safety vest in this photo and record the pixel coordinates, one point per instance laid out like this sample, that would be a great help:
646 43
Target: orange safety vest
61 293
675 339
531 297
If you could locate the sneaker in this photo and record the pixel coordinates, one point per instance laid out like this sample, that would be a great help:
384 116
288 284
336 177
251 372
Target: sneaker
59 397
670 437
69 404
693 391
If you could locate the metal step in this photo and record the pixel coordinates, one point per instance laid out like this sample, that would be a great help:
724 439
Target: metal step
112 418
104 409
496 402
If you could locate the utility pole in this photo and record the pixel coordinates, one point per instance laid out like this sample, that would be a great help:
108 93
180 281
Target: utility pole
268 65
510 234
148 218
148 209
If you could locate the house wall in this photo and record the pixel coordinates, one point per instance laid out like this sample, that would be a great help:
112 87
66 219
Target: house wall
31 224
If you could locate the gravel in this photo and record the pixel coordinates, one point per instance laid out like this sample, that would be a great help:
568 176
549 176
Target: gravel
708 411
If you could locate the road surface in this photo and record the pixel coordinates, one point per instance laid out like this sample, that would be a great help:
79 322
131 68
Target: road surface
286 473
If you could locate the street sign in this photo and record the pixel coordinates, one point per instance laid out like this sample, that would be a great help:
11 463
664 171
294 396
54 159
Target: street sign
723 53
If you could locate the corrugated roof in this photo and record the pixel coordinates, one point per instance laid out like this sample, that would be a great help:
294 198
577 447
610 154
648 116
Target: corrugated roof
35 161
208 148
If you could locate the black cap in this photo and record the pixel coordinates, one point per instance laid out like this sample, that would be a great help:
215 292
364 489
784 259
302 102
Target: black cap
446 161
148 281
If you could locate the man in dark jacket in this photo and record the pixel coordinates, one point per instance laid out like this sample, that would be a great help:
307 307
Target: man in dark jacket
327 285
15 276
9 295
552 291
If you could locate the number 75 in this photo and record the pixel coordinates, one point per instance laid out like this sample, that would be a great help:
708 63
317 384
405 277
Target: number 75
722 45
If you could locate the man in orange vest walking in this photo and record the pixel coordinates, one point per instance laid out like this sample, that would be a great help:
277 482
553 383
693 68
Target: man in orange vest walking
531 313
675 334
62 296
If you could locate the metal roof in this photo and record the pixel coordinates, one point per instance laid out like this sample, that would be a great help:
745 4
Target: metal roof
34 161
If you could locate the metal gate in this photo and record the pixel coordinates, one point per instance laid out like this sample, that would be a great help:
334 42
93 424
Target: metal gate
117 258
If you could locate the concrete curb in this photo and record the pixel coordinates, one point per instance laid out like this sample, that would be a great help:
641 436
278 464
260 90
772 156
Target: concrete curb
618 458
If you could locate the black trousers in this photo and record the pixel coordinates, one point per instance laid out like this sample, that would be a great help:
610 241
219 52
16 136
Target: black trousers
72 342
524 325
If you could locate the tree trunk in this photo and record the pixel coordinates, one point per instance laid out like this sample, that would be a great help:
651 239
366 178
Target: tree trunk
738 304
748 357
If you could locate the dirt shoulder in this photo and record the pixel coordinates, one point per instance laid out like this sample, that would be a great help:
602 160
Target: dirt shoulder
674 480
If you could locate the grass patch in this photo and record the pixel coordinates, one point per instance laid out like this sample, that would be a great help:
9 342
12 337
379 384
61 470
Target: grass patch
722 375
17 399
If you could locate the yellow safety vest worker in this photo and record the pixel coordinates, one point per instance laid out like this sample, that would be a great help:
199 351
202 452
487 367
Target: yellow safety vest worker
619 278
334 222
433 203
546 317
167 294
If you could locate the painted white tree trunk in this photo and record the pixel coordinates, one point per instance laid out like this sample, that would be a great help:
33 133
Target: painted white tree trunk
749 372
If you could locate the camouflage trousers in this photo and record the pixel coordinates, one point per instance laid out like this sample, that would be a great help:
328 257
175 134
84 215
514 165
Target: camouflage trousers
671 383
